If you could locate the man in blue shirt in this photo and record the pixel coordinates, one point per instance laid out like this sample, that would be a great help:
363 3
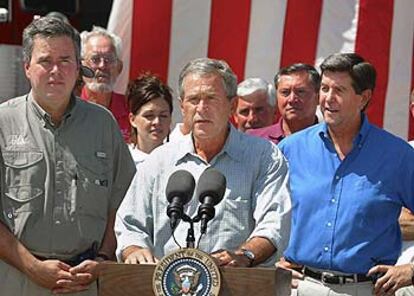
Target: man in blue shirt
349 180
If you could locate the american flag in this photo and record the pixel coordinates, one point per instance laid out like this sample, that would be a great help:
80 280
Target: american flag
257 37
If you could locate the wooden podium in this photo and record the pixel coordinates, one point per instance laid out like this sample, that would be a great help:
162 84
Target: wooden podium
125 279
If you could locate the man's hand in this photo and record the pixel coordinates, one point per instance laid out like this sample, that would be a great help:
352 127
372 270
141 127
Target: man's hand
47 273
138 255
407 224
394 277
83 275
227 258
296 275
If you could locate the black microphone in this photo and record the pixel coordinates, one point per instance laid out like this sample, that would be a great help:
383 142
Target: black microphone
180 189
210 191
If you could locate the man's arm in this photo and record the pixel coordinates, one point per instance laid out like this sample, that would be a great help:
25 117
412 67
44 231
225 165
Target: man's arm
44 273
261 248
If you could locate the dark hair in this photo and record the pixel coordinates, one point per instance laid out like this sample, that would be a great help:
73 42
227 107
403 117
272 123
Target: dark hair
48 27
143 89
314 76
362 73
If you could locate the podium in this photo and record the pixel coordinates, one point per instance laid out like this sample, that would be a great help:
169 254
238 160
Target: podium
131 280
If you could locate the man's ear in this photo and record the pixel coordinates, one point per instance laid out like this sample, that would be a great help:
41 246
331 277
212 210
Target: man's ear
365 98
234 101
26 70
120 66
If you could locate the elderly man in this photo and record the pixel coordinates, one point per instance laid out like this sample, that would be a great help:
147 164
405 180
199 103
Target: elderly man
64 170
100 52
255 104
253 219
297 88
349 180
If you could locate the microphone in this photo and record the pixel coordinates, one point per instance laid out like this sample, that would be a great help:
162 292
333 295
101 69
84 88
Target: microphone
180 189
210 191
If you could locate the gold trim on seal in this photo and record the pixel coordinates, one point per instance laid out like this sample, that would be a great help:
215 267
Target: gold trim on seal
189 269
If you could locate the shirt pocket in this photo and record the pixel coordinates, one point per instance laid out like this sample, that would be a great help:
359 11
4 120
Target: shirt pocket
25 174
91 193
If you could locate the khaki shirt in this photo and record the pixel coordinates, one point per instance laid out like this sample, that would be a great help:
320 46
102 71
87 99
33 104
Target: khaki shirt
58 183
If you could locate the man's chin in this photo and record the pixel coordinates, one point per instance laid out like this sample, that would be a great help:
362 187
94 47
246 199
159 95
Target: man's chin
99 87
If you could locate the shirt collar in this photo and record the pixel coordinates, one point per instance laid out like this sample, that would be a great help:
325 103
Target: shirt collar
46 117
231 147
359 138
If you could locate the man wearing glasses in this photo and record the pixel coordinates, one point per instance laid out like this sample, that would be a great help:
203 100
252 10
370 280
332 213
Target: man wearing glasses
101 51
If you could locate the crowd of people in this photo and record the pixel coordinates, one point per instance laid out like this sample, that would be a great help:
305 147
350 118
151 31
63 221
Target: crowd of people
84 170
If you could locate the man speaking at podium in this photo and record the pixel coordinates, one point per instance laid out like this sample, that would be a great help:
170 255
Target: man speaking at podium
252 221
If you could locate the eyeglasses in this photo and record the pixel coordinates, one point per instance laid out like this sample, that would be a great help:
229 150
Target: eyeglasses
97 59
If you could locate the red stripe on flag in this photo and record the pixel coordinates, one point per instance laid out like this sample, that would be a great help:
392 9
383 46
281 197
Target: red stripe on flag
150 42
301 31
229 27
373 42
411 126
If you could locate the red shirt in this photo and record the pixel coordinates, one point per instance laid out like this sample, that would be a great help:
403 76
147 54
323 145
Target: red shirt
119 110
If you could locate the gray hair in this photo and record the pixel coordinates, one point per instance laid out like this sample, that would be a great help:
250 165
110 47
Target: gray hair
252 85
48 27
206 66
99 31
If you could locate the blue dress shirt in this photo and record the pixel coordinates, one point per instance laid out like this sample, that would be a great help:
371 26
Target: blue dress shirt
345 213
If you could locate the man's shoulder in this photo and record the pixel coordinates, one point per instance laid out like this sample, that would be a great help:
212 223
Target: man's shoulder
13 108
264 132
92 109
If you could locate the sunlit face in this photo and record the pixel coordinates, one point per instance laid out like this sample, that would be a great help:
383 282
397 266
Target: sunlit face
52 70
340 104
253 111
205 105
152 122
100 56
297 98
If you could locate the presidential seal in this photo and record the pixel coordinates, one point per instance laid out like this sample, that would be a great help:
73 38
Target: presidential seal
186 272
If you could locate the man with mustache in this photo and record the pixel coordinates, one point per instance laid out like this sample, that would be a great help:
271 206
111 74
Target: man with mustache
297 88
100 52
253 219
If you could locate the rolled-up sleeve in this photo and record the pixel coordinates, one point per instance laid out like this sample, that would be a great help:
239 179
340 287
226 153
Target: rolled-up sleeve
271 201
134 219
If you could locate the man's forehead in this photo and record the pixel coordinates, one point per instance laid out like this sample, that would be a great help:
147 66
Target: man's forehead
339 78
194 83
300 77
60 45
98 43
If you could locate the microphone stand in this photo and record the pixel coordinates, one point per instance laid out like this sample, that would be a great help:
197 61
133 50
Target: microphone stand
190 233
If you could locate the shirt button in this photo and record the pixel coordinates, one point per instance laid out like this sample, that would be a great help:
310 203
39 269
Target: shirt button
10 215
57 222
329 224
333 200
326 249
337 177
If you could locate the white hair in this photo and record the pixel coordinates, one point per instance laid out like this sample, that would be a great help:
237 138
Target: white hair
252 85
99 31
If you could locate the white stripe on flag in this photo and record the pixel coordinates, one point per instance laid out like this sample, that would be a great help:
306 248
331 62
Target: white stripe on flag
337 30
189 39
120 23
264 47
396 116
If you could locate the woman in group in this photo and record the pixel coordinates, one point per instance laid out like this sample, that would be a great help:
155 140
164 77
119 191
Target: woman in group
150 109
